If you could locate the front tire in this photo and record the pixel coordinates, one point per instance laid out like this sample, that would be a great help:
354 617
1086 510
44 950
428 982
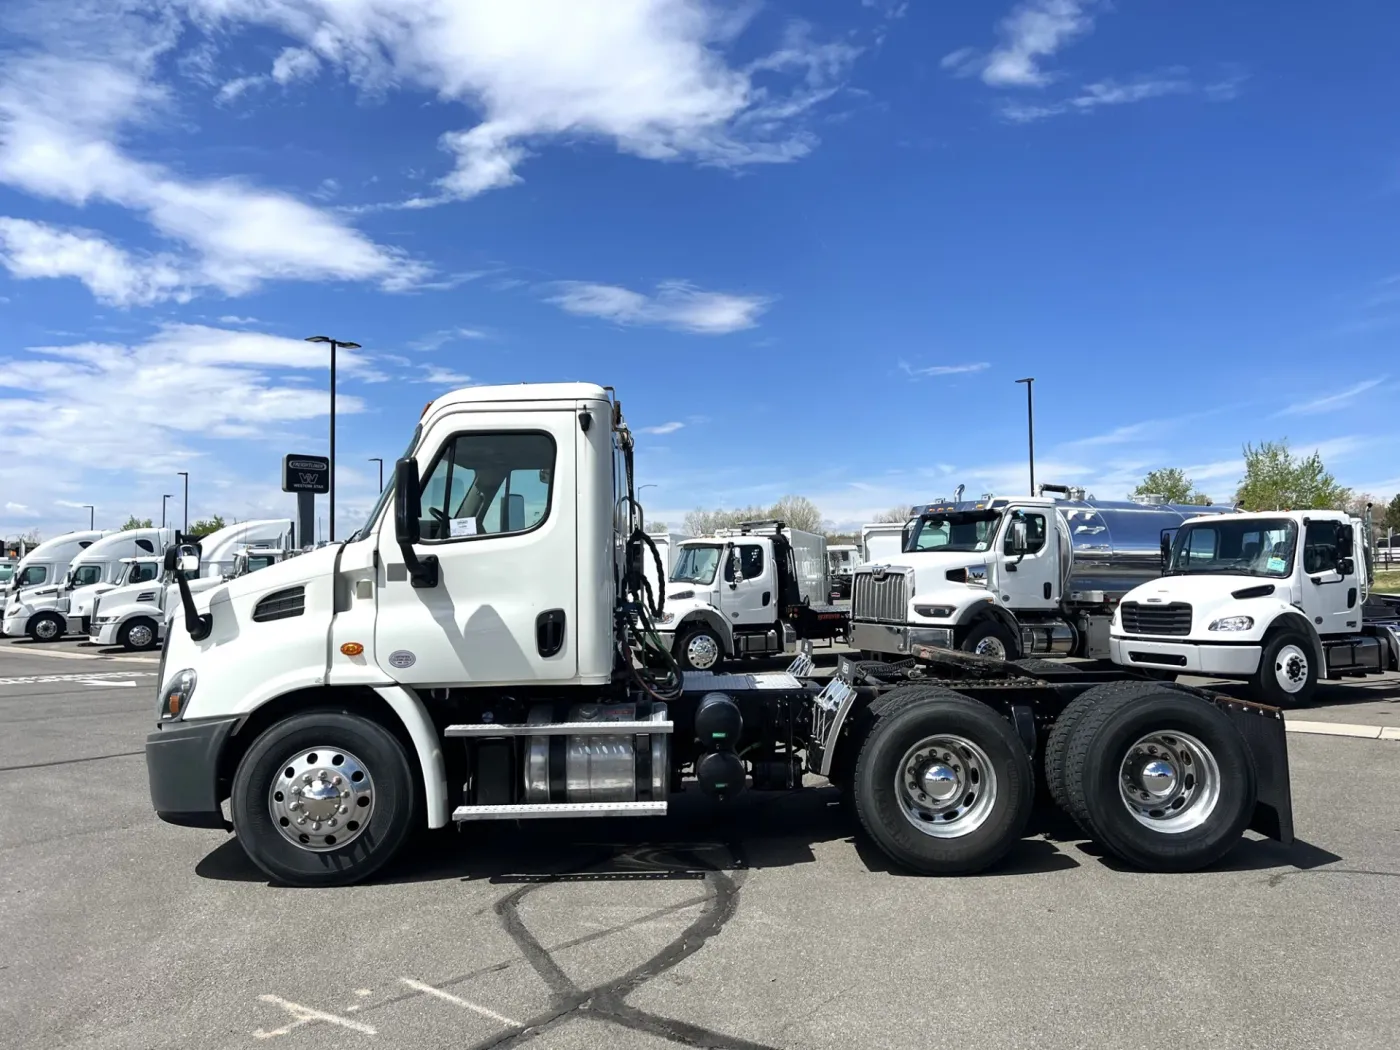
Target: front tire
139 634
1287 674
943 784
991 638
47 627
699 649
324 799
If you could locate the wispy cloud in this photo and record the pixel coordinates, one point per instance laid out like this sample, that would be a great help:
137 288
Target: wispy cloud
440 376
663 428
1033 31
291 65
929 371
677 305
437 340
1332 402
235 319
1103 93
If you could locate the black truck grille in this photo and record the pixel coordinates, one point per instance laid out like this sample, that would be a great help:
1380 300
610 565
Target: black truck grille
879 599
1174 618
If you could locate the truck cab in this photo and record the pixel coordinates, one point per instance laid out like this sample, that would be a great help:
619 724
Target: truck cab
841 562
1278 599
751 591
47 563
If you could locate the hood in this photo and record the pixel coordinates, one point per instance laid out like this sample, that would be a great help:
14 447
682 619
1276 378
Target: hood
1204 589
931 568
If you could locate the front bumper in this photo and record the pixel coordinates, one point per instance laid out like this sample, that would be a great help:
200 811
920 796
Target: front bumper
182 764
887 638
104 633
1201 658
14 626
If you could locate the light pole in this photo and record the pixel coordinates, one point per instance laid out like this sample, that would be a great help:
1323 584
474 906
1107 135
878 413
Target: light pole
1030 426
186 475
376 459
336 344
168 495
91 515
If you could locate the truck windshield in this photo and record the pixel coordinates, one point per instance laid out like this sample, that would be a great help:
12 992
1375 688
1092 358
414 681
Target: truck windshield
1261 547
971 530
32 575
696 565
6 571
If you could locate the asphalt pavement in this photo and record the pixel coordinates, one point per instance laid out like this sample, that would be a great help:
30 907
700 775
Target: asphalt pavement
762 923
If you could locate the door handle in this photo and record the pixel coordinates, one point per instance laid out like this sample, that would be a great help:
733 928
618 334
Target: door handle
767 597
549 632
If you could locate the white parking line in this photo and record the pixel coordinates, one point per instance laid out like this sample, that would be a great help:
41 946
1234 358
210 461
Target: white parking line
1343 729
305 1015
428 989
101 678
59 654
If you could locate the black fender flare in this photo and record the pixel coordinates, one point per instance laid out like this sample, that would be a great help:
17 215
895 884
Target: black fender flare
1296 621
987 609
712 620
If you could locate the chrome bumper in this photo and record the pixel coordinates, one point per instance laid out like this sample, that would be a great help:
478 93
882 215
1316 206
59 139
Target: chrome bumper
887 638
1200 658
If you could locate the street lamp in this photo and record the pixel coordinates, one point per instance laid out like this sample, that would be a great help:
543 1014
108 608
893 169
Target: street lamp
1030 426
186 475
168 495
376 459
335 344
91 512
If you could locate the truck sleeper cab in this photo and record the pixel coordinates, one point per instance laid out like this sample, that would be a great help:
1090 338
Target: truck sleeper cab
1280 600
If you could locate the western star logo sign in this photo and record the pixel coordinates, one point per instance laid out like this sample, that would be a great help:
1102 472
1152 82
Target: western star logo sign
306 474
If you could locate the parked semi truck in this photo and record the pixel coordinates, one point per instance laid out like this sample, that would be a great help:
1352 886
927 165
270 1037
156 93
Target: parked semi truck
48 561
134 616
1279 599
1012 576
755 590
445 664
48 612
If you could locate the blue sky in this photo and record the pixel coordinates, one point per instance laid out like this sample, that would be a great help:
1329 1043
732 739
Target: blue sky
812 244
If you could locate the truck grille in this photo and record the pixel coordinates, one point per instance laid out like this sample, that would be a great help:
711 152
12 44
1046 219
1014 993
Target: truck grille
879 599
1174 618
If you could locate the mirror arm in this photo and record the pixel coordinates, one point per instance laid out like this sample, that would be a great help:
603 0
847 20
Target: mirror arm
199 625
422 572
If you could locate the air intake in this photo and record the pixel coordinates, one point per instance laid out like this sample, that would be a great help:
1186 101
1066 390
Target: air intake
280 605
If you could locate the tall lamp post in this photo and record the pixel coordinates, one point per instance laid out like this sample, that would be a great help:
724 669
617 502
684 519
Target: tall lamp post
1030 426
92 512
168 495
335 345
186 475
377 459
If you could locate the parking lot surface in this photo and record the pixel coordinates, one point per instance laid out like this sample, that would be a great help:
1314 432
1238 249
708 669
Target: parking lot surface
766 922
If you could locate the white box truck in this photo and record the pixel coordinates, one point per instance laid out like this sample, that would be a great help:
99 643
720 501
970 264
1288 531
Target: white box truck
881 542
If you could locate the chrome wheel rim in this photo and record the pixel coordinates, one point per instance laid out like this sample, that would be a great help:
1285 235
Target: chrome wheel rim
140 636
46 630
1291 669
321 799
991 646
702 652
946 786
1169 782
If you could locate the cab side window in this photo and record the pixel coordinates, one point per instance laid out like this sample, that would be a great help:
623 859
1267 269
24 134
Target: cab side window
750 563
488 485
1320 547
1035 533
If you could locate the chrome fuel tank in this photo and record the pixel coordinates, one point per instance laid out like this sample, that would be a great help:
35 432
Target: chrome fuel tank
1112 547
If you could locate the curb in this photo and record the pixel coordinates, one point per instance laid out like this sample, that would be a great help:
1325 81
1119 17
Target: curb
1343 729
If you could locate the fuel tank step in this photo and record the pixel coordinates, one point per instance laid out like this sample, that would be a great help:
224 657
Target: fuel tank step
527 811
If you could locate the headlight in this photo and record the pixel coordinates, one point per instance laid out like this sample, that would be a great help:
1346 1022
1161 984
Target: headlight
937 612
665 617
1232 623
105 619
177 695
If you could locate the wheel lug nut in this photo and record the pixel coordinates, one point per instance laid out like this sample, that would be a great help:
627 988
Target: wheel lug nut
316 825
294 806
306 778
335 781
345 794
344 809
301 820
332 822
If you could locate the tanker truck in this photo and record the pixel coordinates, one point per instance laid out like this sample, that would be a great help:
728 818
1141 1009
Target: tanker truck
1014 576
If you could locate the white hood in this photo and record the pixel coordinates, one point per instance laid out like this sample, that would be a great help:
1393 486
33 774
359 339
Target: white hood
1211 597
931 569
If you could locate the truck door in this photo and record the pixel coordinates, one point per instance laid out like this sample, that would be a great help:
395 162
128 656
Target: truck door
499 512
1331 600
749 598
1029 580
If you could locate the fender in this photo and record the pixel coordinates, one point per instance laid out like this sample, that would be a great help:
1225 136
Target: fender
712 620
426 743
985 609
1290 617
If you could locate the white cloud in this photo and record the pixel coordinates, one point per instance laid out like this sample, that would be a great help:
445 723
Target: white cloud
437 340
676 304
663 428
1332 402
439 376
1103 93
12 507
646 75
295 63
1034 30
235 319
929 371
34 250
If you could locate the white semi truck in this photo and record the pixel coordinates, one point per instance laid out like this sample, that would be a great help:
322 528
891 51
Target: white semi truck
1278 599
1012 576
448 663
48 561
134 616
755 590
48 612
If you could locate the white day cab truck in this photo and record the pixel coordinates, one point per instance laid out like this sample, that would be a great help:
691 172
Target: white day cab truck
1013 576
135 616
755 590
48 612
47 562
1279 600
451 663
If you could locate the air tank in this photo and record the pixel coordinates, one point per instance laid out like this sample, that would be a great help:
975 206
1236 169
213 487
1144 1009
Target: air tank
1113 546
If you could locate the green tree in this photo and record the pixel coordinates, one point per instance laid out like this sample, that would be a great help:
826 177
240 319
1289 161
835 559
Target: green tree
134 522
1392 513
1172 485
1276 479
205 526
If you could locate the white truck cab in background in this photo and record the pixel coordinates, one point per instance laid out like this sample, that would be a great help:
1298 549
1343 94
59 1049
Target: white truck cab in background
47 612
48 561
1278 599
1011 576
750 591
841 562
668 544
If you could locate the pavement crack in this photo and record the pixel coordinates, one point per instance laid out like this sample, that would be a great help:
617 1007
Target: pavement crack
70 761
1276 879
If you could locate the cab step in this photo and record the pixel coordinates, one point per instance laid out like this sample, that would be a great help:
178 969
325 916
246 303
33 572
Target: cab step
560 729
526 811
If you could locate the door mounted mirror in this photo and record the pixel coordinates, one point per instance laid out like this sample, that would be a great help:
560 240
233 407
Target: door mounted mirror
1344 540
1019 538
408 514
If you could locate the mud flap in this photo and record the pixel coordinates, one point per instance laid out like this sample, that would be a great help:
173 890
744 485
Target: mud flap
1263 731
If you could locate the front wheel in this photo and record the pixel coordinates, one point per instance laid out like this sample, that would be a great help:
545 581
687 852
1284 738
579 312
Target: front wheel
699 649
1287 674
943 784
138 634
323 799
991 638
47 627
